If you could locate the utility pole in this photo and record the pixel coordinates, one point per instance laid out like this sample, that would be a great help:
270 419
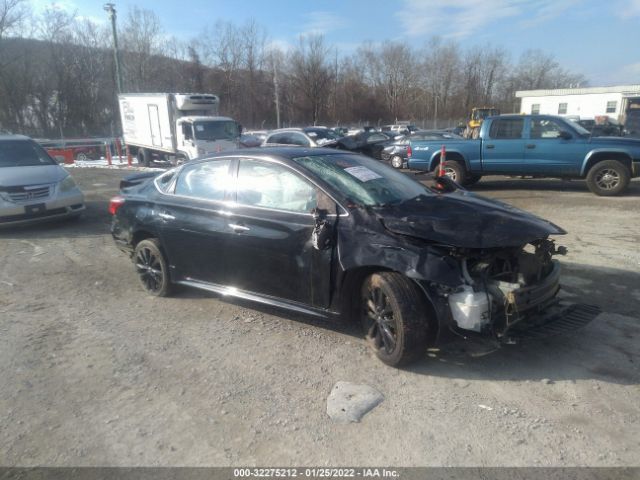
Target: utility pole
275 87
435 113
111 10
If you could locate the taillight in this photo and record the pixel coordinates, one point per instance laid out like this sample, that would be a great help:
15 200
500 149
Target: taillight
115 203
409 152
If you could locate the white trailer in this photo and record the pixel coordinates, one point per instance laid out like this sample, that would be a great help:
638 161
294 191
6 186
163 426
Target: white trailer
175 127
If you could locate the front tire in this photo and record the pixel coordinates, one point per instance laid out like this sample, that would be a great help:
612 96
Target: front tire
394 318
608 178
152 268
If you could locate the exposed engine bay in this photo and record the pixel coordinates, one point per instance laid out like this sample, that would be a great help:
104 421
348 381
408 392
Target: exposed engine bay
502 286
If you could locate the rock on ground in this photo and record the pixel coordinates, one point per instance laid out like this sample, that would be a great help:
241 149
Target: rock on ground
349 402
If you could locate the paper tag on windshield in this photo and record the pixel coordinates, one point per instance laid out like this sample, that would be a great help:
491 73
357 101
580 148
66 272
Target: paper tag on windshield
362 173
199 128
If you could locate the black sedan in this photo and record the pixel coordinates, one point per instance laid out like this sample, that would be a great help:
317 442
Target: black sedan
332 233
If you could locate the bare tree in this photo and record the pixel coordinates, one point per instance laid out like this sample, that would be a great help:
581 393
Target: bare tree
393 71
312 75
141 37
12 14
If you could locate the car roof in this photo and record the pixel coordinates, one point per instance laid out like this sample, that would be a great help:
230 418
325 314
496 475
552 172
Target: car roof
282 130
270 152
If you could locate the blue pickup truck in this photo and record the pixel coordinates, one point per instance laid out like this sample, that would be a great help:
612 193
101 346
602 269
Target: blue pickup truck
534 146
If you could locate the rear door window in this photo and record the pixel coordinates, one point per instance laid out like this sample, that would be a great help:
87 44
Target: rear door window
544 128
507 128
207 180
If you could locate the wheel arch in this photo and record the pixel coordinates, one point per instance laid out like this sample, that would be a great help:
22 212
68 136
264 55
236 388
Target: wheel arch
596 156
140 235
450 156
353 280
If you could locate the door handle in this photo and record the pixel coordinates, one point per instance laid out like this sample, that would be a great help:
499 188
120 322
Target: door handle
530 145
490 146
239 228
166 216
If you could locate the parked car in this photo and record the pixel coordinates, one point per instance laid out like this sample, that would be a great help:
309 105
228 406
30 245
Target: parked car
370 143
397 152
33 187
605 129
83 149
304 137
341 131
395 129
249 140
536 146
334 234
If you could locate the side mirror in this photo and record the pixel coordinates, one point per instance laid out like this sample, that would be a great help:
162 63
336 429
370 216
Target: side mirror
322 231
565 135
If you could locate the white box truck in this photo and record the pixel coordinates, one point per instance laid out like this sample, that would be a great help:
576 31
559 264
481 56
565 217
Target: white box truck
175 127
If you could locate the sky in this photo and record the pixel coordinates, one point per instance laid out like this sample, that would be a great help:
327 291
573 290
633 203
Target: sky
598 38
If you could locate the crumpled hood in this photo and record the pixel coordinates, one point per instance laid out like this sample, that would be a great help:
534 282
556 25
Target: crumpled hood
36 175
465 220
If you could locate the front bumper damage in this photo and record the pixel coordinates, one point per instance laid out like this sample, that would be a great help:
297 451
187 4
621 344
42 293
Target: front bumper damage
559 319
511 296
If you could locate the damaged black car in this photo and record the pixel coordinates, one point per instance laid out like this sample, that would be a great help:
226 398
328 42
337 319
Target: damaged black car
331 233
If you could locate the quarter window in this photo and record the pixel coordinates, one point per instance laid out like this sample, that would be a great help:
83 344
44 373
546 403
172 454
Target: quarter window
207 180
535 109
612 106
562 108
508 128
270 185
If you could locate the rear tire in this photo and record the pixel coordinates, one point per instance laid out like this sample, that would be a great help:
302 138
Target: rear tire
394 318
144 157
608 178
152 268
396 161
456 171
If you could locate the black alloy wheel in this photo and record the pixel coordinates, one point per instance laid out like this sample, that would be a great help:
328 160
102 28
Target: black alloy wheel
151 268
394 318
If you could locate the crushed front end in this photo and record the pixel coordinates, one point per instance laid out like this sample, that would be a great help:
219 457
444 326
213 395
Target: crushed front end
512 293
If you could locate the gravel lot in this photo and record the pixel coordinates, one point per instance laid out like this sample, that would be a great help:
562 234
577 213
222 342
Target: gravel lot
97 373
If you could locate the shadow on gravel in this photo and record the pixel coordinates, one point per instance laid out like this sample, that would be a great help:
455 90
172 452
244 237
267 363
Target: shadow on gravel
495 184
605 350
94 221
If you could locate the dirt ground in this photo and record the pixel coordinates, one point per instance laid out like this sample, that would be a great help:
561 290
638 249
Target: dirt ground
95 372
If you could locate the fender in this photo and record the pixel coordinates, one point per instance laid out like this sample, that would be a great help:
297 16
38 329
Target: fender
433 161
595 151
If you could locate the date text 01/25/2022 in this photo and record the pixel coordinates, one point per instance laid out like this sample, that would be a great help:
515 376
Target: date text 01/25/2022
315 472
